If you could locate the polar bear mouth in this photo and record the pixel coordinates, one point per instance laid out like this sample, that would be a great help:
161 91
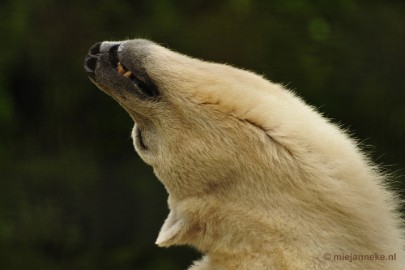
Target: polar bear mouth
122 70
142 82
104 58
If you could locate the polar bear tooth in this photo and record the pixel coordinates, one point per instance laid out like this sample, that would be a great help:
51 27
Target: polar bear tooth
127 74
120 69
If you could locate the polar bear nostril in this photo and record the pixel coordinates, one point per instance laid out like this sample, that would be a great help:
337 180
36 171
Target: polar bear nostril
91 59
90 64
113 52
95 49
114 49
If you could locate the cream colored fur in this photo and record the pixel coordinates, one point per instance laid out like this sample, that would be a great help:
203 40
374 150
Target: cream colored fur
256 178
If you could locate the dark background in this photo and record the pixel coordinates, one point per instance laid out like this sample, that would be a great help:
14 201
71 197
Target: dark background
75 195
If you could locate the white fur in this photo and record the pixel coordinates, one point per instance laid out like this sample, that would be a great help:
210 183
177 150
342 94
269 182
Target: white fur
256 178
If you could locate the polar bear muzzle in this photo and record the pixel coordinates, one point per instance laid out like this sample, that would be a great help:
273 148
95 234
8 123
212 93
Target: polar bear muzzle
103 63
118 68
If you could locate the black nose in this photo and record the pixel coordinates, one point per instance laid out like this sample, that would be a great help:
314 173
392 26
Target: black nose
90 61
98 49
95 49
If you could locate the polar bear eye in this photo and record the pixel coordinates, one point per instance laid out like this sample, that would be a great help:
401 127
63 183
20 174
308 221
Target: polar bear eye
145 86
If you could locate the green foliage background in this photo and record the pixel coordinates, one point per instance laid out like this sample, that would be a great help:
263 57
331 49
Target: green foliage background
74 194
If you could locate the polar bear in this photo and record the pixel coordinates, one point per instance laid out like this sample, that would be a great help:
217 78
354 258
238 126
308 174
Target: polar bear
256 178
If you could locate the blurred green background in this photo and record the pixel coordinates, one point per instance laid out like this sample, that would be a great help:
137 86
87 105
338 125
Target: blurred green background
75 195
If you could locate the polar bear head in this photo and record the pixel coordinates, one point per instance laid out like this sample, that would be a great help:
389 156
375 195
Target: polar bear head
199 124
233 148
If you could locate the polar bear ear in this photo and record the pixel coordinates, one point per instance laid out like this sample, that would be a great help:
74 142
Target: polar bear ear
172 230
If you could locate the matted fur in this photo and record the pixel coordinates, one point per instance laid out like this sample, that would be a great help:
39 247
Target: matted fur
256 178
